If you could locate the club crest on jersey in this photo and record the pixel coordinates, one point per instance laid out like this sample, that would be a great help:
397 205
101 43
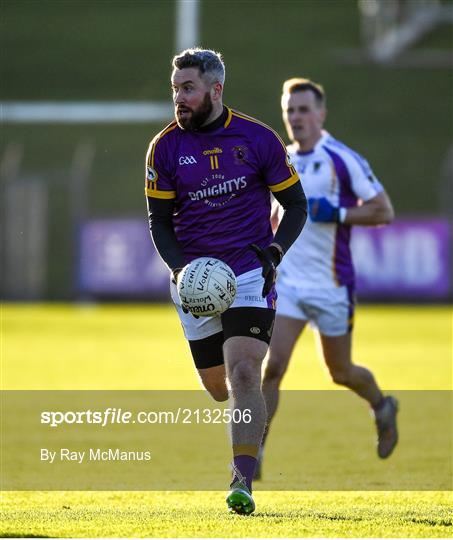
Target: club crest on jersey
240 154
151 174
288 160
187 160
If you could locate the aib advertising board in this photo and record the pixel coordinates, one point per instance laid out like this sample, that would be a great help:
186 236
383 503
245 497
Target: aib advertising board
410 260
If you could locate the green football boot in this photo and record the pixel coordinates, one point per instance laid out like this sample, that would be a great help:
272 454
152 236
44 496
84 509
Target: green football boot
240 499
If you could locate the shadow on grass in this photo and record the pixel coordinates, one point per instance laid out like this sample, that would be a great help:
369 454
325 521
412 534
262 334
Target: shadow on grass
433 522
336 517
310 515
20 535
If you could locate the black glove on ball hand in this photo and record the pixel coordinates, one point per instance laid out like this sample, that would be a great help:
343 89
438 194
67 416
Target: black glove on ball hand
174 279
186 310
174 275
269 258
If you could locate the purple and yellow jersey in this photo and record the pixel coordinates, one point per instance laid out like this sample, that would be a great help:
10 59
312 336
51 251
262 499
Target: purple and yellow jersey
220 181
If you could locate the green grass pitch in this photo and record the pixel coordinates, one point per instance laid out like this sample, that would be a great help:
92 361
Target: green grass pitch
141 347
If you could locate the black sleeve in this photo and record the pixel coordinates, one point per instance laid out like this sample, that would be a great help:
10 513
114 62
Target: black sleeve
160 217
294 203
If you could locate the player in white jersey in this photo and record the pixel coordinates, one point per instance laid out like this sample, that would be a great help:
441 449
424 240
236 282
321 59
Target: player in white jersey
316 279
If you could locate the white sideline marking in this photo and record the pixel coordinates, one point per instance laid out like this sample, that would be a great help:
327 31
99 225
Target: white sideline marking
78 112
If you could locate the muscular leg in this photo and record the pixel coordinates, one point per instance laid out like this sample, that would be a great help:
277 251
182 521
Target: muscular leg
214 380
208 357
337 356
284 337
243 358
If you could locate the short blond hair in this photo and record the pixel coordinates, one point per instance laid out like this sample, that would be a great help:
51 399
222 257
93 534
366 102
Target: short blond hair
299 84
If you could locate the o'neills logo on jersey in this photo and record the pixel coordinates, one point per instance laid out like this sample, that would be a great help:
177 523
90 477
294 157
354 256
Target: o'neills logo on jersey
222 191
212 152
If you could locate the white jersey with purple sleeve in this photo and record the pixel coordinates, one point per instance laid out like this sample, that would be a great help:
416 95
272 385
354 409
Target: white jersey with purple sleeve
321 256
220 181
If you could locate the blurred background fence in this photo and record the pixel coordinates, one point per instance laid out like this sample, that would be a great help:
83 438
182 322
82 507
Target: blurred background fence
85 86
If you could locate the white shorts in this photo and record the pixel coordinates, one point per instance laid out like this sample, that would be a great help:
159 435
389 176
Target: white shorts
248 294
330 310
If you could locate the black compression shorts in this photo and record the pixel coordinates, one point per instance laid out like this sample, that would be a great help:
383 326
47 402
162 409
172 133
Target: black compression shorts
244 321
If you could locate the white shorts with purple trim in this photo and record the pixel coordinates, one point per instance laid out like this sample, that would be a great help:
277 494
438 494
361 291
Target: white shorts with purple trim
330 310
249 288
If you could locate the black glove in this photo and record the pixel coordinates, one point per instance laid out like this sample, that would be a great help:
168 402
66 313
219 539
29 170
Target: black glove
269 258
174 278
174 274
187 310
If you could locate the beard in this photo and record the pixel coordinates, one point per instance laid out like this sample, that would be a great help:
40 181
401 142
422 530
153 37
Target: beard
195 121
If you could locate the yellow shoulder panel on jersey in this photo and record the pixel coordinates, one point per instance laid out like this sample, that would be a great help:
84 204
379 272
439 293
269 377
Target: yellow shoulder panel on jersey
285 184
153 143
151 175
152 191
229 117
